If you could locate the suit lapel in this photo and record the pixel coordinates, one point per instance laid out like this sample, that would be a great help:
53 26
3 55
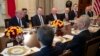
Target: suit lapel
52 18
16 20
38 20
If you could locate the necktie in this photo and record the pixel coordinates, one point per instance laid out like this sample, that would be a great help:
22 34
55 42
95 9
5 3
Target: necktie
41 20
20 22
66 16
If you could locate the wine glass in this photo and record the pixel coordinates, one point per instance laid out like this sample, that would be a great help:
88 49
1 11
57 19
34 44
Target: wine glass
18 39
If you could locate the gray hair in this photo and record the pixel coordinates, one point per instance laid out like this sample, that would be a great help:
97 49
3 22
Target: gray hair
86 20
45 35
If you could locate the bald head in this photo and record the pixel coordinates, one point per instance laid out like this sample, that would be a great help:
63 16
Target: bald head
19 14
87 9
54 10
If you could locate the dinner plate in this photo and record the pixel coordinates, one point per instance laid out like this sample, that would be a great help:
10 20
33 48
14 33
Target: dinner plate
59 39
68 37
75 32
17 50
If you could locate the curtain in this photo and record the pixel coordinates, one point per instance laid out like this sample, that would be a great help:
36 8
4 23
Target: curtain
11 8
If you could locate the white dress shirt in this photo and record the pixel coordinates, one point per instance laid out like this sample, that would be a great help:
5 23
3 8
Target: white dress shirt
55 16
41 19
66 15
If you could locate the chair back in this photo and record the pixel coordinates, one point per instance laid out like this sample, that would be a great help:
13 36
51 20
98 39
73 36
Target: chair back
6 22
92 46
31 22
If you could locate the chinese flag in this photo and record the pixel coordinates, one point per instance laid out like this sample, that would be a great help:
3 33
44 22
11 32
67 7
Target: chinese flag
11 7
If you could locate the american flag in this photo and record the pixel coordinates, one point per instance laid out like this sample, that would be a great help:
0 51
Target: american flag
96 6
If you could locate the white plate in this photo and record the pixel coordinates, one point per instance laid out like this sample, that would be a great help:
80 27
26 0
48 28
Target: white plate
59 39
75 32
68 37
17 50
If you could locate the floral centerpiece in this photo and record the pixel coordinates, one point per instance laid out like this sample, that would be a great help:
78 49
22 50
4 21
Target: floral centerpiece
58 24
14 33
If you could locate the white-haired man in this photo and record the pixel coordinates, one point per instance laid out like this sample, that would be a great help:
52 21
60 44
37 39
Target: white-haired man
68 15
17 20
78 42
53 15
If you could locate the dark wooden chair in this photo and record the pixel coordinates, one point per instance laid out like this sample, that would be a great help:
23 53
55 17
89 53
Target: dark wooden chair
92 47
6 22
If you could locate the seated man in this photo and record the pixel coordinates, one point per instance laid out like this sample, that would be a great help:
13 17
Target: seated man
74 11
78 42
88 11
53 15
17 20
26 17
45 35
68 15
39 19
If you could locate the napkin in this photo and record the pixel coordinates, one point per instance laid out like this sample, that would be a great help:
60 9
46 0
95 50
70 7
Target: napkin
35 49
68 37
1 34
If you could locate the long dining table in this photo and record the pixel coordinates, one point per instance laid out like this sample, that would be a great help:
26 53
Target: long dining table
31 41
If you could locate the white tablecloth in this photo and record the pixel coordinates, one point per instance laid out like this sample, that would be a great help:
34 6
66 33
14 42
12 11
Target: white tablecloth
29 51
1 34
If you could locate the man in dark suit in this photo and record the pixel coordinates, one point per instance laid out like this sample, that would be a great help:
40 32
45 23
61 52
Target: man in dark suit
88 11
39 19
75 10
26 17
96 34
45 35
68 15
17 20
54 15
78 43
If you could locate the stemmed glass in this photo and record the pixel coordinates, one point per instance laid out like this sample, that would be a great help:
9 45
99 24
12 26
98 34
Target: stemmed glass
19 39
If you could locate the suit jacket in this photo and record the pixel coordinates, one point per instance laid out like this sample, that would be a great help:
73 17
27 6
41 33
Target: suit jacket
51 18
90 14
77 45
51 51
36 22
14 22
71 15
26 18
74 14
96 34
